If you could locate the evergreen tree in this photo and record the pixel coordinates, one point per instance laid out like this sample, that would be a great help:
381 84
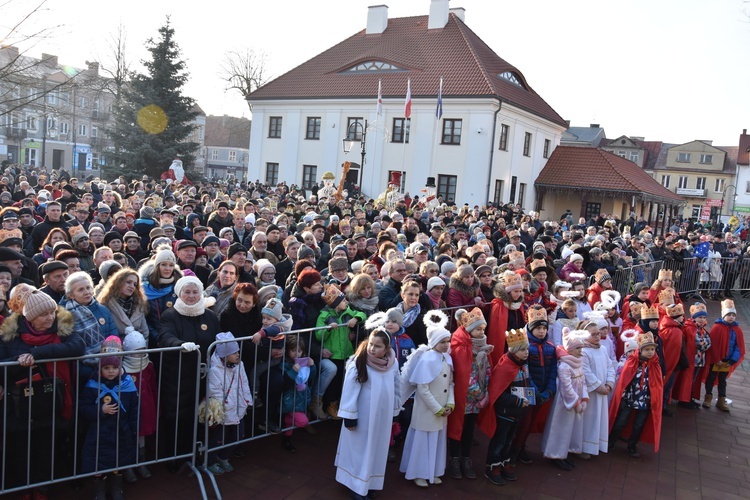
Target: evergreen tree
153 120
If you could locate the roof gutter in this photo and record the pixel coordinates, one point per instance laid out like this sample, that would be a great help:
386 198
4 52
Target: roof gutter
492 149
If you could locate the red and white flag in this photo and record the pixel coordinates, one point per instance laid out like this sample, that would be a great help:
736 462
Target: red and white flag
407 104
380 99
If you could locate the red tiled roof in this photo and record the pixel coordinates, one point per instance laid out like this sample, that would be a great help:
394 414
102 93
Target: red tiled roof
743 155
468 66
596 169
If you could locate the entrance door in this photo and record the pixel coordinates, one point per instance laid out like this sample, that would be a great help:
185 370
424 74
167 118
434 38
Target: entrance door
57 158
593 210
81 164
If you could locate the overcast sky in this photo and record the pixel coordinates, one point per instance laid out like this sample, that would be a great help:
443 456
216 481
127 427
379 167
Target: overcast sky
670 70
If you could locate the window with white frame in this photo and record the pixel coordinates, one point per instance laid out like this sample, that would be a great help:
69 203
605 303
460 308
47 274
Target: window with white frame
214 154
696 211
64 127
82 130
622 154
665 180
504 132
31 123
83 102
94 132
52 124
707 159
683 157
51 97
634 157
700 183
272 173
719 185
683 182
232 155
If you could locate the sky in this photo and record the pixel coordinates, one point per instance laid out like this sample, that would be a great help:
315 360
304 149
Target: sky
668 70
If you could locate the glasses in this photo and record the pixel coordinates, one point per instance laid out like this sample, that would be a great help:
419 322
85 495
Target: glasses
432 271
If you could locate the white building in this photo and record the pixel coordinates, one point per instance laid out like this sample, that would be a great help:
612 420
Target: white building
493 138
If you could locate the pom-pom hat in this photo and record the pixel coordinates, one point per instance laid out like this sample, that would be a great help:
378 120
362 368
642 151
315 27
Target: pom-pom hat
436 321
227 346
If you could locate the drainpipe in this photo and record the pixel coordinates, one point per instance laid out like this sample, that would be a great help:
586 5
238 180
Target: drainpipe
492 148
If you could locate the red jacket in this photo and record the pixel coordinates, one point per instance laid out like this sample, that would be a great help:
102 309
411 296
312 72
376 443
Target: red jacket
594 294
462 355
497 325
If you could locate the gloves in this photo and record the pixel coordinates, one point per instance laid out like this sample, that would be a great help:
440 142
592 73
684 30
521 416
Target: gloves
189 346
544 397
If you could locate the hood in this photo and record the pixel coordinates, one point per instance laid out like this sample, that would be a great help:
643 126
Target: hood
469 291
64 322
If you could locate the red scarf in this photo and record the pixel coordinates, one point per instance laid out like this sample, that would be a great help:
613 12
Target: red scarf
61 369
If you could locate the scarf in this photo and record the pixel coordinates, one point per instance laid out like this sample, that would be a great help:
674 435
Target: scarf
363 304
86 326
61 370
135 363
381 364
166 281
435 300
127 305
411 315
481 351
195 310
125 385
156 293
586 343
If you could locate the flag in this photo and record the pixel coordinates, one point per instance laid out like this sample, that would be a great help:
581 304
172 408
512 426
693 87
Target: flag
407 104
380 99
439 109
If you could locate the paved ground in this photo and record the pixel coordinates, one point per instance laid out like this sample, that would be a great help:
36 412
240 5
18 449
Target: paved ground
704 454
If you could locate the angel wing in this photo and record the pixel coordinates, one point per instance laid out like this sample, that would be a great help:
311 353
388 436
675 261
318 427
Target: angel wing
407 387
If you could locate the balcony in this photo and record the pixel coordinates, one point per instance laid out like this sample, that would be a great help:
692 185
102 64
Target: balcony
14 133
692 193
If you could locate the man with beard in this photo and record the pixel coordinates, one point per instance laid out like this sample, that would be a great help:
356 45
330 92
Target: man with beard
506 312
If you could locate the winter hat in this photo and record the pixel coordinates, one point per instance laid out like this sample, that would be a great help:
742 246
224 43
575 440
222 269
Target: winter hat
433 282
147 212
250 218
601 276
575 257
134 340
224 231
447 267
394 314
516 340
187 280
227 346
630 340
301 265
727 307
111 344
112 235
573 339
697 310
107 268
164 256
267 292
236 248
436 321
78 237
308 278
18 296
304 252
273 309
338 264
98 226
470 320
129 235
357 266
333 296
210 239
465 270
262 266
38 303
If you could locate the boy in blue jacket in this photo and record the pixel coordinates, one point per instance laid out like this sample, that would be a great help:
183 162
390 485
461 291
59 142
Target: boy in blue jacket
543 371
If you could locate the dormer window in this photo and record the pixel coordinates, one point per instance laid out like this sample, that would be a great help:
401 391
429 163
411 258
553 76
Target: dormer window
513 78
373 66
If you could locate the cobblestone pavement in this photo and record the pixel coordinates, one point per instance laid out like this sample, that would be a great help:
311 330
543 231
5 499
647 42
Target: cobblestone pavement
704 454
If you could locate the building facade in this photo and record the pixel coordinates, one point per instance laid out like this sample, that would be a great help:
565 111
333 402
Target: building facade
487 140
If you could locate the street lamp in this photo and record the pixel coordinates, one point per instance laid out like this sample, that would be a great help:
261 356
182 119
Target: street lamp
723 194
349 143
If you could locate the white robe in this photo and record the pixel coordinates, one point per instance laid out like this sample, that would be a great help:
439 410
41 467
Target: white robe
362 453
567 434
598 370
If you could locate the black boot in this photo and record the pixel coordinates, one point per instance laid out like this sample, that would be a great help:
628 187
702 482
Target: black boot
100 488
115 487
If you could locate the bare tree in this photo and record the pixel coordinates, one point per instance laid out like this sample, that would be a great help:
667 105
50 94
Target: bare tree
116 67
244 71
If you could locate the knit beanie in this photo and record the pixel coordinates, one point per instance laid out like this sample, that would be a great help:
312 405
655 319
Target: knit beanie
394 314
227 346
236 248
111 344
112 235
301 265
273 309
134 340
187 280
338 264
433 282
447 267
262 266
164 256
210 239
304 252
78 237
147 212
308 278
573 339
38 303
107 268
267 292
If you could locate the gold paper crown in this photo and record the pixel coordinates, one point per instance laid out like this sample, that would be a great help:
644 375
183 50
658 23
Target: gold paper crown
666 296
675 310
515 256
516 338
665 274
472 316
512 282
645 339
5 234
332 292
649 312
636 308
73 230
698 307
536 314
727 306
537 264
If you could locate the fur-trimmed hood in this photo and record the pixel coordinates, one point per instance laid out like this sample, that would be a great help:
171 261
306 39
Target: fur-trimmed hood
469 291
65 325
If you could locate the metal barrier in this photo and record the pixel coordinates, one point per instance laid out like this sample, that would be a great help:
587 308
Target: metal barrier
54 428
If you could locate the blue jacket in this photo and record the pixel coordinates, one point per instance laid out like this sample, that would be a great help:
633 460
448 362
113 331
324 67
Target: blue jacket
542 366
402 345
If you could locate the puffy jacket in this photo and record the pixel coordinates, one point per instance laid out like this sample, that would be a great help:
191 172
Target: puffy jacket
542 366
336 339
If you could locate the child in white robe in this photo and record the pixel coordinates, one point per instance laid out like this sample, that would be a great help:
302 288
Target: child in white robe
599 373
429 370
563 432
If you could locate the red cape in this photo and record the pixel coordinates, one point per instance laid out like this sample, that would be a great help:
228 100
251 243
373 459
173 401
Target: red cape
461 353
653 296
720 345
670 333
497 325
503 374
683 384
652 429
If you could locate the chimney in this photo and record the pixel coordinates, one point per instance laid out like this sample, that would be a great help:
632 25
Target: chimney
744 131
93 67
460 13
377 19
594 125
438 14
49 60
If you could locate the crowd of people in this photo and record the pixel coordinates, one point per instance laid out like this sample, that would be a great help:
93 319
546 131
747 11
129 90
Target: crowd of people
414 324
